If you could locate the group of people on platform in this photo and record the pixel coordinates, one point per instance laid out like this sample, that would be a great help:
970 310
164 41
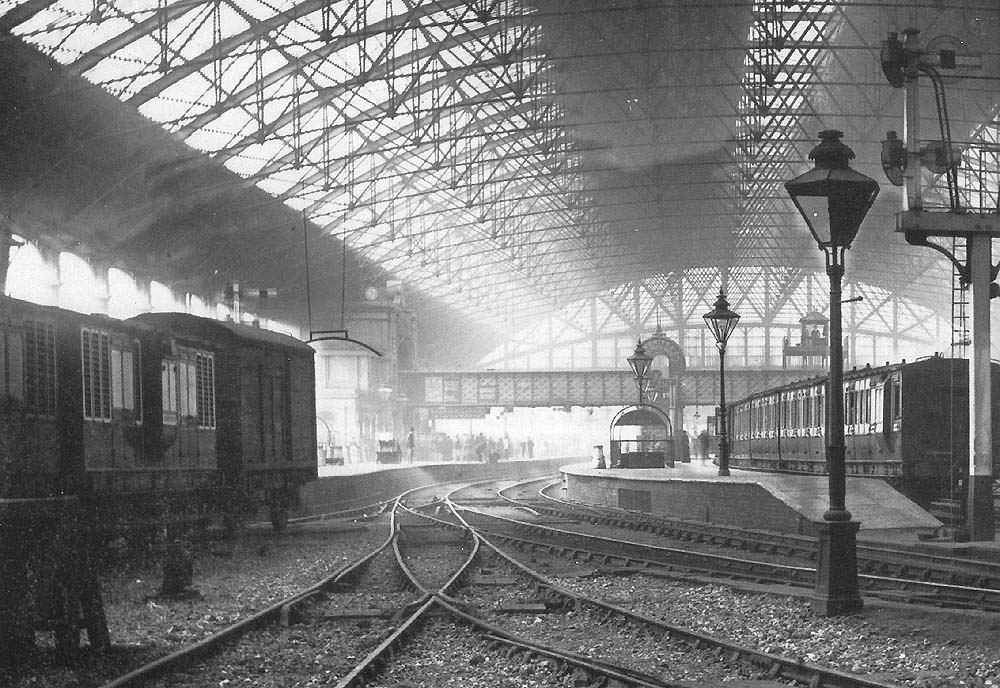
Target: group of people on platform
436 447
477 448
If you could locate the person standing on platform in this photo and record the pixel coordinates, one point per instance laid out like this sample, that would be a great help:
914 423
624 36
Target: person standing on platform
531 448
410 442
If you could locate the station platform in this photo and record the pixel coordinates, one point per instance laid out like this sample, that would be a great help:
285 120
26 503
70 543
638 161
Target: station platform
340 488
749 499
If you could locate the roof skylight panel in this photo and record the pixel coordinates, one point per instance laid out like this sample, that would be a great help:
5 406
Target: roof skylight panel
259 9
296 175
265 151
230 125
176 107
274 185
328 216
79 38
459 54
302 33
237 72
330 73
244 165
122 84
297 202
58 17
51 40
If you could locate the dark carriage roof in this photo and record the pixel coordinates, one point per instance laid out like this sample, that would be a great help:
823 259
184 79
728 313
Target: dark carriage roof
222 331
64 315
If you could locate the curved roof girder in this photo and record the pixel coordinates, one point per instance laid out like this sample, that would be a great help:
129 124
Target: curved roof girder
262 29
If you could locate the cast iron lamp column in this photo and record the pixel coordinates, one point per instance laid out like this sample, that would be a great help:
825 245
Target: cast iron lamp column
834 199
639 362
722 321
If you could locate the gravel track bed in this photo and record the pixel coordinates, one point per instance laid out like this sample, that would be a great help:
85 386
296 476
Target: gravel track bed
381 575
445 655
320 648
626 534
434 557
235 579
625 644
893 643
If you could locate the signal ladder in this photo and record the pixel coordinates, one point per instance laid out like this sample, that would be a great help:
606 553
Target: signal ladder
960 338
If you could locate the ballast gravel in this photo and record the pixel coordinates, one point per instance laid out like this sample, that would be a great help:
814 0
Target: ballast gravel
918 648
234 579
923 648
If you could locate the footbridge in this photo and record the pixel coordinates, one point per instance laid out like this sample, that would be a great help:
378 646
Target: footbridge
453 390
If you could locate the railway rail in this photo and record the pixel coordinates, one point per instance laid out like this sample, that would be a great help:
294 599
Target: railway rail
437 576
892 574
883 559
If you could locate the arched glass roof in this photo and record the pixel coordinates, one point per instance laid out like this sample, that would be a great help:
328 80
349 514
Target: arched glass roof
508 158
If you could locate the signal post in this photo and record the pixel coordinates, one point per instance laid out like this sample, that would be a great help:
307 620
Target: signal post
903 62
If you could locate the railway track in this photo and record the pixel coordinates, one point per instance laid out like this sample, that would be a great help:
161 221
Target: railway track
883 560
891 574
438 588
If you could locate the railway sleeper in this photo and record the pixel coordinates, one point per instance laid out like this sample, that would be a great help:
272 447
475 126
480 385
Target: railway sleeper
522 608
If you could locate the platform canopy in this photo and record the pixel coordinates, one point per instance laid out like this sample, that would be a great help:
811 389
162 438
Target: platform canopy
501 158
642 417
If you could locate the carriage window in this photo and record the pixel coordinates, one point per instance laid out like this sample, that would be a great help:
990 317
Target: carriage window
125 378
95 352
189 389
205 390
897 399
168 386
850 407
137 378
40 367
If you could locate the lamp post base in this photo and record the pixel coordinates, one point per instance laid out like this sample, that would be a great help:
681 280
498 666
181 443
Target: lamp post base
836 589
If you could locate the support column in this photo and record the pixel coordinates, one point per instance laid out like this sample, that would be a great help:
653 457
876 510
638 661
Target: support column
979 506
677 418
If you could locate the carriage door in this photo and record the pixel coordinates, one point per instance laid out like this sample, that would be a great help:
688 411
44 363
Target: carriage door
273 411
188 384
891 403
126 395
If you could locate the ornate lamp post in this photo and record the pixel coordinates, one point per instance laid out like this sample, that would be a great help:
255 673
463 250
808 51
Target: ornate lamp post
384 392
639 362
722 321
834 200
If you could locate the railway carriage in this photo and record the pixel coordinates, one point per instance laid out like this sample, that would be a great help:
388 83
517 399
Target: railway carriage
157 420
264 390
906 423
